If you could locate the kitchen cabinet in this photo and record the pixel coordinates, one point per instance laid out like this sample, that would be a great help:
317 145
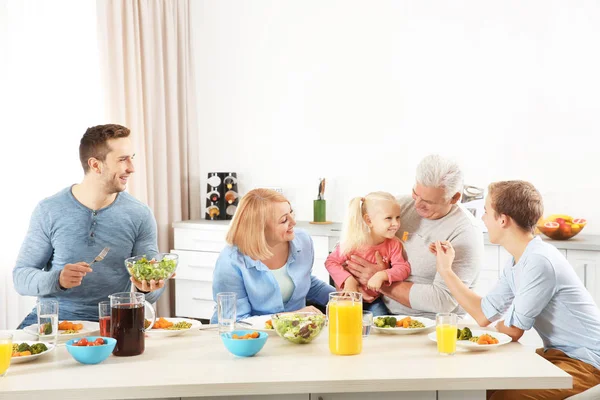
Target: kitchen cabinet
586 264
375 396
488 272
255 397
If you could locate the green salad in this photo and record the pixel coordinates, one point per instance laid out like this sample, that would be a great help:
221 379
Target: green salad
298 328
146 270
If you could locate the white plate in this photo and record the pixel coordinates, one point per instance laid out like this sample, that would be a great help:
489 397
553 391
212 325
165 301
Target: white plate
159 333
468 345
89 329
24 359
257 323
404 331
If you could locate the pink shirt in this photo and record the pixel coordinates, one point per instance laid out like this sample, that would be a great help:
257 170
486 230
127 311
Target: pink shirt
390 250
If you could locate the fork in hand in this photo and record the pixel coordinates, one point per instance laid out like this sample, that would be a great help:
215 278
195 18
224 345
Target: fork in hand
101 256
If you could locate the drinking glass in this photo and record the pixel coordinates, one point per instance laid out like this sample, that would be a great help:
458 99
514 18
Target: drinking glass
367 322
226 311
47 313
446 333
104 318
5 352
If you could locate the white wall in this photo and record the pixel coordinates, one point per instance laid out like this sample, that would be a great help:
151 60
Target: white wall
49 95
360 91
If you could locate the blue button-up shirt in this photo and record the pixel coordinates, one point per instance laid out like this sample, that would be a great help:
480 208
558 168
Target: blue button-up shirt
543 291
257 289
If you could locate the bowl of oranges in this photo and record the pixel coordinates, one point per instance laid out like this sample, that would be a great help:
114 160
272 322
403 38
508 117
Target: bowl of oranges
561 226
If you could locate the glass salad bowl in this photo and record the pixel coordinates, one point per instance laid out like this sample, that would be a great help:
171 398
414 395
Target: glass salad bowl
161 266
298 327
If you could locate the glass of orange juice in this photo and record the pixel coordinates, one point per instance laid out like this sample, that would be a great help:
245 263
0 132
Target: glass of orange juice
345 319
446 333
5 352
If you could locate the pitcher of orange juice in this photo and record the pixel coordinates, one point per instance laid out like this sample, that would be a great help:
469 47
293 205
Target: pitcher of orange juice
344 313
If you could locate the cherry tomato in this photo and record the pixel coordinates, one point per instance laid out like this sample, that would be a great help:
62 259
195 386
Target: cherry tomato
99 341
82 342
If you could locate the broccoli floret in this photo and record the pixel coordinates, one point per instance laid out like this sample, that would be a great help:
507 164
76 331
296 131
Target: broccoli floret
464 334
24 347
391 321
38 348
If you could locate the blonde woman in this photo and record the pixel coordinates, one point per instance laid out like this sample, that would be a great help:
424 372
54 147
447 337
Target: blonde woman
268 263
370 229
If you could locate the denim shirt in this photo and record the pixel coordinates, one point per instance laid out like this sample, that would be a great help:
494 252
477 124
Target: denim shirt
256 288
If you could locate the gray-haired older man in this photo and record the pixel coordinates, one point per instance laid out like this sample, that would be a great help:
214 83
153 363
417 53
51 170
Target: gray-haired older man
430 214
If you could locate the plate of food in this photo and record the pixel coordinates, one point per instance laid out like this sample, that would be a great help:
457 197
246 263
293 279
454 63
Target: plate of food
165 327
402 324
261 323
68 330
477 339
25 351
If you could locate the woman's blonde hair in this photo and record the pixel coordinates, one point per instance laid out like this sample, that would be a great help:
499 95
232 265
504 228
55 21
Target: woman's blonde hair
355 231
247 229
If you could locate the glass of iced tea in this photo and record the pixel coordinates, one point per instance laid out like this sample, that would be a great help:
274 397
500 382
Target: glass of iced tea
104 318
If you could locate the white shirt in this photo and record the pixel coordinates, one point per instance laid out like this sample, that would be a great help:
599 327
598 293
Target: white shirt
286 285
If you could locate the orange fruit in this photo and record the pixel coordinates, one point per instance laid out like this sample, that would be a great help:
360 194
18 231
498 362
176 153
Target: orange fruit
566 230
579 221
550 227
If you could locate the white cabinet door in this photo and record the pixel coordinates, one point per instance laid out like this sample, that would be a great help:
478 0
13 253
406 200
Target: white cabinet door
586 264
375 396
255 397
490 257
321 244
193 299
196 265
488 273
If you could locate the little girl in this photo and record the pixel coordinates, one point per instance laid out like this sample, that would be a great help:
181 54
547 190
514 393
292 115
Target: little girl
370 227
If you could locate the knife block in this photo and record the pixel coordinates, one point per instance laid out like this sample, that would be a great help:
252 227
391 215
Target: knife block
221 195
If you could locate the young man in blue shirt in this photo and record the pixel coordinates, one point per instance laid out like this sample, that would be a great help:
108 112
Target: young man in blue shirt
69 229
538 289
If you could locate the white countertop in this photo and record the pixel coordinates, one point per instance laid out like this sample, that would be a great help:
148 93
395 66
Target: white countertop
197 364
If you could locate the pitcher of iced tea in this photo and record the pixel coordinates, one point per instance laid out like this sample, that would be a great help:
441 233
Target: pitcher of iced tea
127 322
344 313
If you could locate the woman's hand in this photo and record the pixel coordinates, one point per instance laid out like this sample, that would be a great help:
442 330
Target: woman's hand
310 309
444 253
363 270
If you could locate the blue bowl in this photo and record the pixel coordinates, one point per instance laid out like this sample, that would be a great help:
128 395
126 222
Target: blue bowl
244 347
91 354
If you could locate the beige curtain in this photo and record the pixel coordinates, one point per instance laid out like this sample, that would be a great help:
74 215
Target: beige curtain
148 76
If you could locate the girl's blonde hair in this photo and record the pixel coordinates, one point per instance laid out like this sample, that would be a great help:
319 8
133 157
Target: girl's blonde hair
247 229
355 231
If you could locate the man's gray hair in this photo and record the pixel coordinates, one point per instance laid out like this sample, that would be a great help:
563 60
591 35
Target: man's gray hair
439 172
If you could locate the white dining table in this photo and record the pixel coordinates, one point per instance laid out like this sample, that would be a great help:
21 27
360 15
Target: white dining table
197 365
